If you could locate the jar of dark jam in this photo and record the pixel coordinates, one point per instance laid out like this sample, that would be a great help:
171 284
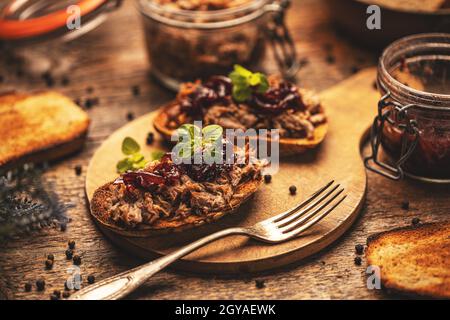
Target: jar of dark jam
413 121
189 40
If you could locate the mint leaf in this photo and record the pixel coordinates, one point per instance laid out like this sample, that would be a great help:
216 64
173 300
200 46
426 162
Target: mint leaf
123 166
157 155
246 82
130 146
241 94
212 133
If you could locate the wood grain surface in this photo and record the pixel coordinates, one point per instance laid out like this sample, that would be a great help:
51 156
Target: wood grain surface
111 60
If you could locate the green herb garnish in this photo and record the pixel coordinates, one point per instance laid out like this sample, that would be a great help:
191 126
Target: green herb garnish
134 159
246 82
191 138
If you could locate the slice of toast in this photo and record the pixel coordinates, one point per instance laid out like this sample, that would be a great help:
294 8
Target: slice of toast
39 127
413 260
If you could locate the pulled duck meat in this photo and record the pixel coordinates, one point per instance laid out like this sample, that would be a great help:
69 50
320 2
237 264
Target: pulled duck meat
165 190
295 112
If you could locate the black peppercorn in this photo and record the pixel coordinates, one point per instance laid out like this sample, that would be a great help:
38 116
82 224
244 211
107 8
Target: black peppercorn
260 283
267 178
69 254
354 69
150 138
89 89
330 59
48 264
76 260
358 261
136 90
40 284
66 294
78 170
71 244
53 297
63 227
51 257
65 81
130 116
359 248
415 221
88 103
293 190
91 279
405 205
28 286
57 293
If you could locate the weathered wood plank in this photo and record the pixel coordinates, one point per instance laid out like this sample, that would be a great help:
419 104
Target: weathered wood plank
112 59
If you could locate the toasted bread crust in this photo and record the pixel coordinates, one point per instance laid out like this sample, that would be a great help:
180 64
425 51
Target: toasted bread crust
288 146
99 203
414 260
39 127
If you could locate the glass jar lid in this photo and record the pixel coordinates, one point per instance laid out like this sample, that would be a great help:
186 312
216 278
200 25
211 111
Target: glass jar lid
25 21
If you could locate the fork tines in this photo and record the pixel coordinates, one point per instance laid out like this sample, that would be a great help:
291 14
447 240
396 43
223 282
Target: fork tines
310 211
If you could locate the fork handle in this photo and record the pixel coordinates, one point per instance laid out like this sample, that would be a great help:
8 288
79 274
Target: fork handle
124 283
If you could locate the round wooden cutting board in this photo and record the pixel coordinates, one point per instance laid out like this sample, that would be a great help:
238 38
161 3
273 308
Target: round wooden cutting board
350 106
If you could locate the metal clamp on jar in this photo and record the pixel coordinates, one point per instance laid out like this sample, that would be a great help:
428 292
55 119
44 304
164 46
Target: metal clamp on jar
23 22
413 121
185 45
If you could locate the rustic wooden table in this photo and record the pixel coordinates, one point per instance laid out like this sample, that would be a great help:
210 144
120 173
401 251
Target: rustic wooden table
111 60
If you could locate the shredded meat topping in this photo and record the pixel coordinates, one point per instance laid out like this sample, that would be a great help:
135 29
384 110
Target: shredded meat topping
296 115
132 205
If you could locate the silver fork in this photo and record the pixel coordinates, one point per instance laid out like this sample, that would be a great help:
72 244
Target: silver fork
279 228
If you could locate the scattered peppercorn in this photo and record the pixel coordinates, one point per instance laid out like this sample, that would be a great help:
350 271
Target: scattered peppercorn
69 254
150 138
88 103
40 284
57 293
66 294
415 221
65 81
48 264
78 170
28 286
330 59
63 227
354 69
136 90
359 248
76 260
267 178
89 89
293 190
91 279
405 205
260 283
130 116
48 78
53 297
358 261
71 244
51 257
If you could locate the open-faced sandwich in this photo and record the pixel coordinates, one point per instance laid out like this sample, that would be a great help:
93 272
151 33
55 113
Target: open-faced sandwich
246 100
168 195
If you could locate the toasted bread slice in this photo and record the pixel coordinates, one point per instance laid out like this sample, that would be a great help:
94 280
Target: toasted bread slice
39 127
413 260
99 205
287 146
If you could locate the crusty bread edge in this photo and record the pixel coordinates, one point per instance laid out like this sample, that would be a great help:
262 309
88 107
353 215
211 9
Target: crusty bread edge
288 146
247 189
50 152
373 240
